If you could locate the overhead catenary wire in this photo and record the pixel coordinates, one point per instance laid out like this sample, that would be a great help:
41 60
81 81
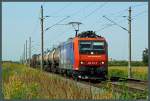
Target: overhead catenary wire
58 11
35 27
85 16
34 31
63 33
107 26
57 23
100 21
138 14
36 24
126 9
119 13
57 16
61 9
110 25
138 5
93 11
78 11
111 16
99 8
115 23
73 14
88 14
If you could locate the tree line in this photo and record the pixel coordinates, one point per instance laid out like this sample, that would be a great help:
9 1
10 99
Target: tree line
144 61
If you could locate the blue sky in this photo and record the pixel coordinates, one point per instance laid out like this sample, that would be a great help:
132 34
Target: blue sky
20 20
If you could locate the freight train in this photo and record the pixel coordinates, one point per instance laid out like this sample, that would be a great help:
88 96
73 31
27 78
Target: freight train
84 56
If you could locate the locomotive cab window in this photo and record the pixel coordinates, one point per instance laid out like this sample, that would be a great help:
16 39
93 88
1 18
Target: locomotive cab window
98 45
86 47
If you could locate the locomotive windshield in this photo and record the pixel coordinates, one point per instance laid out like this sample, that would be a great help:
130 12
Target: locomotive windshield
91 47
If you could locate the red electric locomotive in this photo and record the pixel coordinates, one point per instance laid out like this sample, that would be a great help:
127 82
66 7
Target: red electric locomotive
84 56
91 57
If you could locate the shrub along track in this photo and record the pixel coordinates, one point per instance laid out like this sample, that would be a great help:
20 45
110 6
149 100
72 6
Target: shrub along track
120 85
116 84
123 85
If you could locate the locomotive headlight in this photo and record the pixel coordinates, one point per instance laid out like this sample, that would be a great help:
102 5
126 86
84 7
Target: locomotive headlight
76 68
81 62
102 62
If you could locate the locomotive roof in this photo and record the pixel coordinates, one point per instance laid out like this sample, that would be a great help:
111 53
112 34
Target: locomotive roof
88 34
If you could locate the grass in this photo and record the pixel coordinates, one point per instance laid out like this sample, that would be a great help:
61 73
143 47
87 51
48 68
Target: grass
22 82
137 72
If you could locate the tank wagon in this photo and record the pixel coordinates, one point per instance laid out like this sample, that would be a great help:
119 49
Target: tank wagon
84 56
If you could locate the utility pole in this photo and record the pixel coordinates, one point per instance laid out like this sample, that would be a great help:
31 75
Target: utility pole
129 64
22 56
42 32
20 59
26 53
129 32
29 51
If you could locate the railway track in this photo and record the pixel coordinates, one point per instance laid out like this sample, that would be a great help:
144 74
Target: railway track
129 87
121 85
134 85
117 84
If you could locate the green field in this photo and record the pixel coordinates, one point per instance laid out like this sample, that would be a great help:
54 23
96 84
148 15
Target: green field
21 82
122 71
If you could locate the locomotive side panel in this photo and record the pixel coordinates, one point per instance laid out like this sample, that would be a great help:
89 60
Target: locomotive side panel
69 55
66 55
62 57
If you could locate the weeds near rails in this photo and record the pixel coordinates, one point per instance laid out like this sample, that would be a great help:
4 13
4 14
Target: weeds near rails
16 89
20 82
105 93
28 83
